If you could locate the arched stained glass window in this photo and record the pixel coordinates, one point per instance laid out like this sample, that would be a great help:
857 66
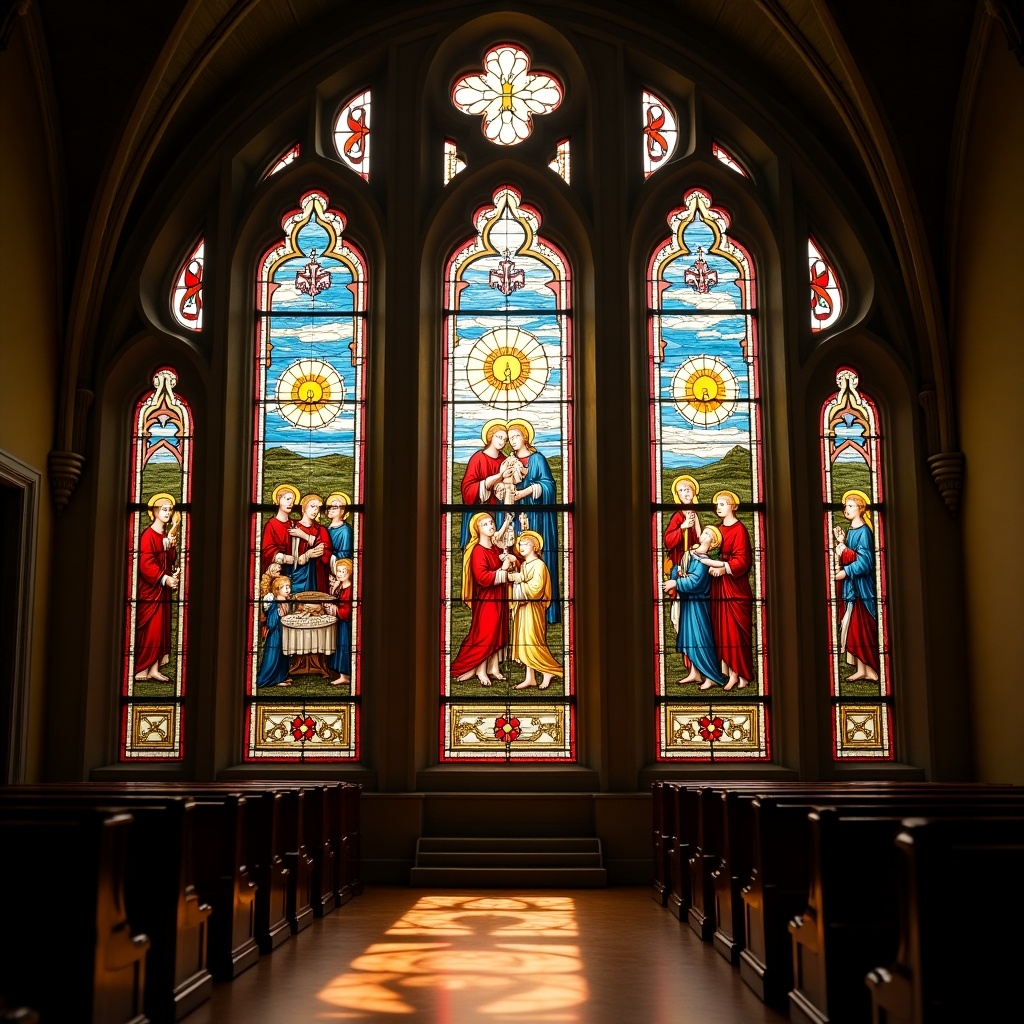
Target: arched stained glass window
352 134
156 620
507 673
303 665
507 94
708 501
728 159
282 161
826 293
661 132
852 481
187 295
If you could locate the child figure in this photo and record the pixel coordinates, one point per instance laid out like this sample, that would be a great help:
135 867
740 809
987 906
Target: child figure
531 595
341 592
274 667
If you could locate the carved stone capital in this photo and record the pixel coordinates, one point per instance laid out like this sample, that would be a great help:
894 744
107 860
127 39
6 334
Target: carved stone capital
65 469
948 473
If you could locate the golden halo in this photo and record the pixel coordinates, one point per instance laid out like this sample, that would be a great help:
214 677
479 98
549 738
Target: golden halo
694 486
729 494
499 422
851 494
162 496
525 426
537 539
275 494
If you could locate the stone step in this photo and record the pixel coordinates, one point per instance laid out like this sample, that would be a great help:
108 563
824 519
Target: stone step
508 877
493 862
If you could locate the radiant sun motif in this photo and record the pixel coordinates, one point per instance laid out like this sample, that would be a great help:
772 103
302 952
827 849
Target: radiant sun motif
705 390
507 367
310 393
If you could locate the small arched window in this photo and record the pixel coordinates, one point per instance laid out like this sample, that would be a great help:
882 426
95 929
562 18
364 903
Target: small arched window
156 620
855 559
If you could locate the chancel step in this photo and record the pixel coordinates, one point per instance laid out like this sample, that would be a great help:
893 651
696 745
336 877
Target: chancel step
492 862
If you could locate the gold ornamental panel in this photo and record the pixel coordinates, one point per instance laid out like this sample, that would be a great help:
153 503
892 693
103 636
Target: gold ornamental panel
862 730
292 730
500 730
154 730
736 730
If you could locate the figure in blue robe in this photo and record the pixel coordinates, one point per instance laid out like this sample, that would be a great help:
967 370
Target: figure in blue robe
540 484
695 639
274 666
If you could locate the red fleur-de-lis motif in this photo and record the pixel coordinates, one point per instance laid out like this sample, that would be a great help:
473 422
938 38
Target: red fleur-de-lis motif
312 279
506 278
657 144
191 304
355 144
821 301
700 276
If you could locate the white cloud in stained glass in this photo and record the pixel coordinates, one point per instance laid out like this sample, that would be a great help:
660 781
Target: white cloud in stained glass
352 134
826 293
453 163
560 164
728 159
283 161
507 95
660 132
187 296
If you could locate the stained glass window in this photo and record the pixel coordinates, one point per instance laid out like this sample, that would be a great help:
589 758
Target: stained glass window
728 159
156 619
560 163
661 132
187 295
507 672
303 665
708 518
826 293
352 134
506 94
851 461
453 162
279 164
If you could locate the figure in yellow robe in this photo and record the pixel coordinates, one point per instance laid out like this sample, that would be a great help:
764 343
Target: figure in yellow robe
531 596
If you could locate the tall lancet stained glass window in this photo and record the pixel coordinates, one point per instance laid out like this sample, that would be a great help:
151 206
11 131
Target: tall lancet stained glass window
156 619
303 676
854 528
507 672
708 521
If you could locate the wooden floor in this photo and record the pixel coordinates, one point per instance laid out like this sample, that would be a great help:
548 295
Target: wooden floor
580 956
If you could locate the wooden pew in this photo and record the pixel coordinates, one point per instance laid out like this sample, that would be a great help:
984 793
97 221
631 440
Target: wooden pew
851 922
955 963
780 878
160 895
219 870
351 793
104 979
661 840
735 861
682 828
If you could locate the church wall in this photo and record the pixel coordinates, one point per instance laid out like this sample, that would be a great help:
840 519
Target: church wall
988 311
30 300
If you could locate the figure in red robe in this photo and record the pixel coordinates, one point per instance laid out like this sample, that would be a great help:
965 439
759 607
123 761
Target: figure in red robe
158 578
485 591
732 601
486 469
312 563
276 545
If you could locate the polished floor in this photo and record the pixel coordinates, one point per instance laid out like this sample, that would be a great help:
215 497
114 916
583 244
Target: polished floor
580 956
